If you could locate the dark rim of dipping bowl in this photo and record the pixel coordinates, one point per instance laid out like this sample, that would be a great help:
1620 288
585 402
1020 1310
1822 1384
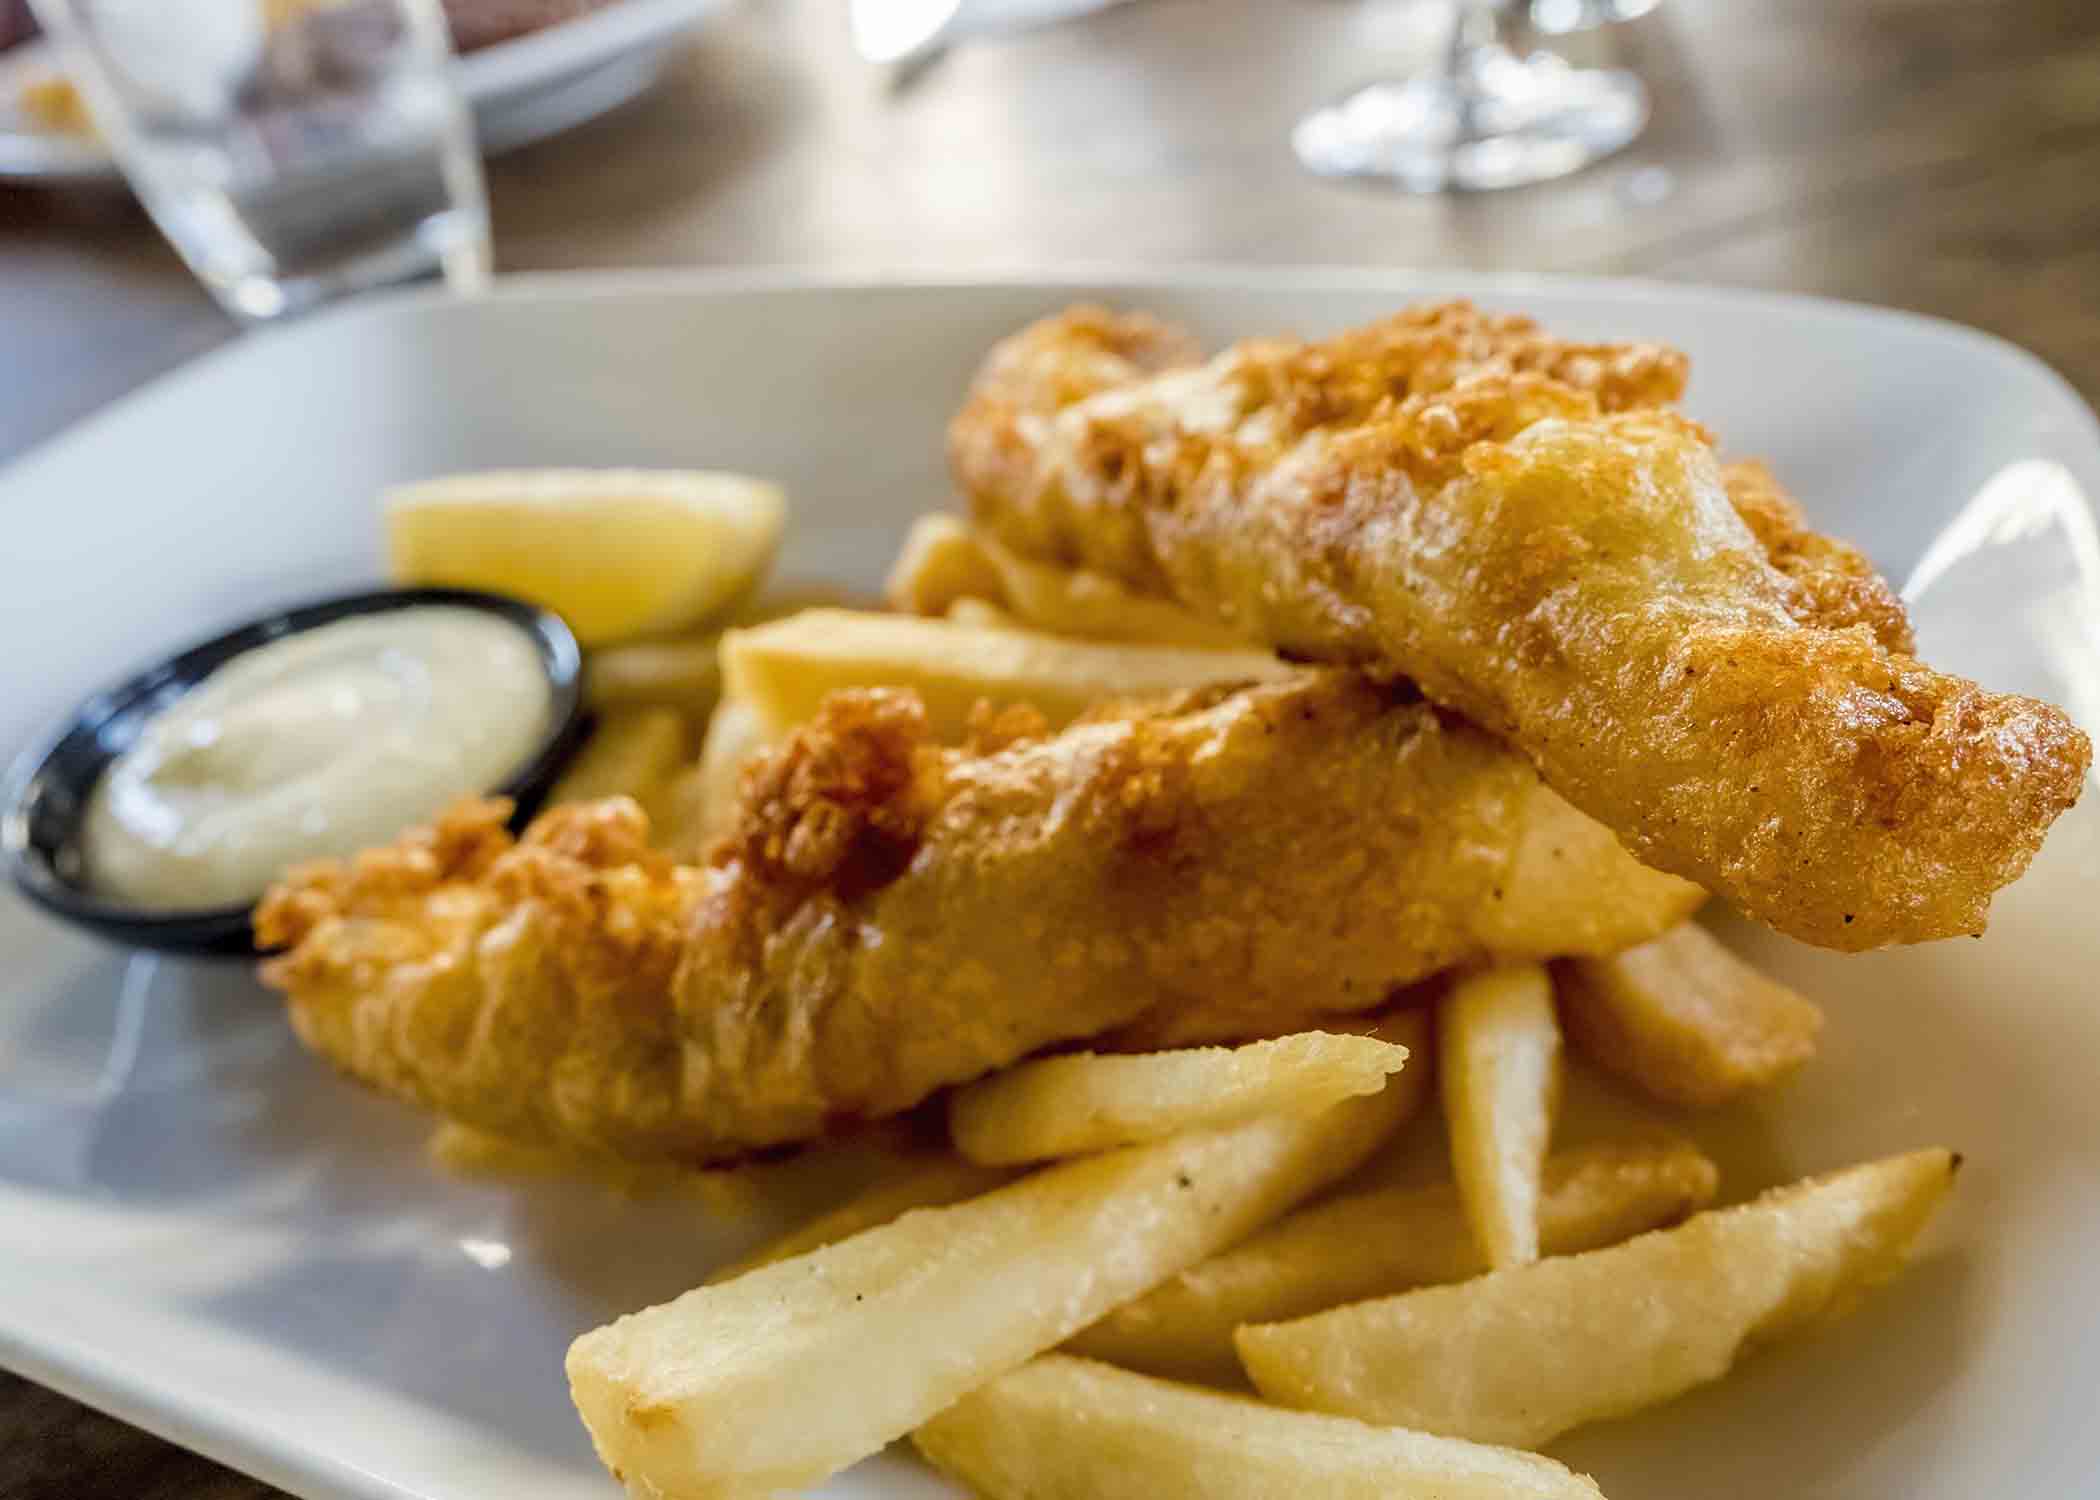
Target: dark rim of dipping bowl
46 792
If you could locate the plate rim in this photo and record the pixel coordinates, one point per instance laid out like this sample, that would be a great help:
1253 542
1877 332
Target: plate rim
589 40
548 286
100 1381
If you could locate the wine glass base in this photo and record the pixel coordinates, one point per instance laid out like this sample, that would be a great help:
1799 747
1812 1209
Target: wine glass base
1507 123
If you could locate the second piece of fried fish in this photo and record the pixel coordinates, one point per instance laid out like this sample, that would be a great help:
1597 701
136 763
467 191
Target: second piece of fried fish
1524 528
890 916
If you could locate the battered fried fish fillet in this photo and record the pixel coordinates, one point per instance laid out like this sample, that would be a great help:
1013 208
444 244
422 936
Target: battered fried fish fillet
1524 528
890 916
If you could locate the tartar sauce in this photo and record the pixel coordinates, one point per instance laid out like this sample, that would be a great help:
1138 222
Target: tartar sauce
319 744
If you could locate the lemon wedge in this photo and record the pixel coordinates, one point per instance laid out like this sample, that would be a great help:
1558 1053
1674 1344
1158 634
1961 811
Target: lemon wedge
618 553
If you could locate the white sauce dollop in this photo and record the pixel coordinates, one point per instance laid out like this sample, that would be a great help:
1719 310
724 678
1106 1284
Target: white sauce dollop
316 745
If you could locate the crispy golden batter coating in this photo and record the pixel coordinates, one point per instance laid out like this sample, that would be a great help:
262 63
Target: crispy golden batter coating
1044 369
1526 530
889 916
522 987
1831 582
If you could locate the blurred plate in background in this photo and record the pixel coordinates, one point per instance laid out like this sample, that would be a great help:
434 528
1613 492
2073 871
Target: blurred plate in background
522 90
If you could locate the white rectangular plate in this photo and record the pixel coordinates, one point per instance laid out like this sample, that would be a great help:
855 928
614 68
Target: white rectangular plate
206 1232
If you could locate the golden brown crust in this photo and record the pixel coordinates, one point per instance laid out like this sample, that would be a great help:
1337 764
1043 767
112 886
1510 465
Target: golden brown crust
460 846
1363 374
1568 565
1082 350
1438 378
890 916
588 867
1832 583
517 985
837 803
1444 374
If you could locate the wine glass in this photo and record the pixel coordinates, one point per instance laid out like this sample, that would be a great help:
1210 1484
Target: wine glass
1488 118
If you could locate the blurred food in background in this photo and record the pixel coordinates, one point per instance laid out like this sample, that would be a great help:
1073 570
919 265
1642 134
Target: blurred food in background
475 23
51 103
48 100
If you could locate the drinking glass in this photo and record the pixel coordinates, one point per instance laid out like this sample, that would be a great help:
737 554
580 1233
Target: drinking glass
1487 119
291 150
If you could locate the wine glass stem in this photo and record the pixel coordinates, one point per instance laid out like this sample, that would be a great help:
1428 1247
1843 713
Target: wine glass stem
1476 34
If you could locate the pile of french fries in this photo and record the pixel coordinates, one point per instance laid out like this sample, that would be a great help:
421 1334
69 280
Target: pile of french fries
1186 1273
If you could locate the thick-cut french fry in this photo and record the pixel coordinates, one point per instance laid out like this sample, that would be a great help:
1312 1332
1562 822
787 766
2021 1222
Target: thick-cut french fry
1065 601
1060 1428
941 561
683 673
632 753
796 1370
944 562
785 669
934 1183
1498 1047
1523 1356
1084 1101
1684 1020
1385 1241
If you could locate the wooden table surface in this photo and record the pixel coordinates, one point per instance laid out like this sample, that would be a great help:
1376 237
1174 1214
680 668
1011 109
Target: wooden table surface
1941 155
